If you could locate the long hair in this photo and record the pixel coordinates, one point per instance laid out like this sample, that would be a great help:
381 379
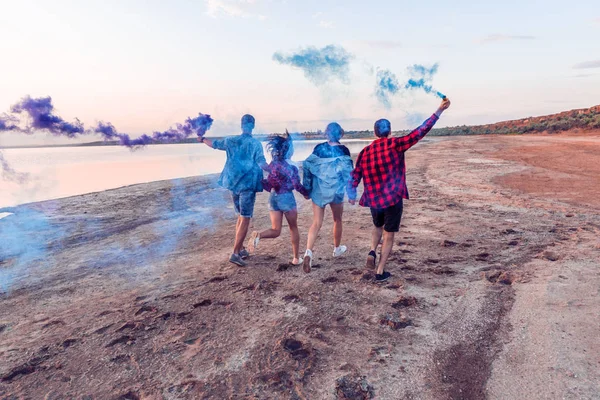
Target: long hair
280 147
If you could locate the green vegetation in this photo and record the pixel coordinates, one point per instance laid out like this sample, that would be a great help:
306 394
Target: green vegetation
586 119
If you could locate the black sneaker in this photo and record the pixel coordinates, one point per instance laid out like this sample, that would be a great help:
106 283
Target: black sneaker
237 260
244 254
371 258
383 277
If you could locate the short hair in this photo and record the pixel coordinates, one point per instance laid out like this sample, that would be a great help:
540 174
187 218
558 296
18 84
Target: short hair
334 132
248 119
383 128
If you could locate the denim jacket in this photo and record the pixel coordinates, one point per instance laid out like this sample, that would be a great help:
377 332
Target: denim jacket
242 170
326 178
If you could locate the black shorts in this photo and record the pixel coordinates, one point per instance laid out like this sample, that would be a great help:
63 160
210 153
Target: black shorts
388 218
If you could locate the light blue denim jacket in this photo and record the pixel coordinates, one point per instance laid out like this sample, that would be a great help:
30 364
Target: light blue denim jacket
242 170
326 178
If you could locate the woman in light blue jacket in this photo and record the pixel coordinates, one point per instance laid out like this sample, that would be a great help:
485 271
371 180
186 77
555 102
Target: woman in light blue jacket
326 177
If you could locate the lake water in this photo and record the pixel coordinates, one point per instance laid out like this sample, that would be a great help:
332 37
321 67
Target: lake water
57 172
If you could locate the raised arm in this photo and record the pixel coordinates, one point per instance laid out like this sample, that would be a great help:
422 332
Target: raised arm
213 144
404 143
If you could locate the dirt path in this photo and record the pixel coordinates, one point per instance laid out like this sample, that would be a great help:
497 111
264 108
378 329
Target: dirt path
494 295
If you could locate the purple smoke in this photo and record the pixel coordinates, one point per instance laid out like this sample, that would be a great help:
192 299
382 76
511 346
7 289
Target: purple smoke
7 123
9 173
198 126
37 114
41 117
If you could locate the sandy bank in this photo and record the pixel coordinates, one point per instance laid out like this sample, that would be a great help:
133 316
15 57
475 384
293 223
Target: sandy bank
494 292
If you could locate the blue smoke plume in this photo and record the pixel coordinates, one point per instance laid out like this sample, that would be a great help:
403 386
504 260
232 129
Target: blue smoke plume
319 65
420 77
25 238
387 86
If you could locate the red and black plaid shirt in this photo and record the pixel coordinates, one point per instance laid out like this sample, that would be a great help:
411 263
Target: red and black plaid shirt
381 166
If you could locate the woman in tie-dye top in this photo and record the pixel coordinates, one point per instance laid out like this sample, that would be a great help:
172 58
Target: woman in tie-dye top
282 180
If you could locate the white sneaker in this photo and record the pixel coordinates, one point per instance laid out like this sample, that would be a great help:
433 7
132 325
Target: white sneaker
307 262
253 241
338 251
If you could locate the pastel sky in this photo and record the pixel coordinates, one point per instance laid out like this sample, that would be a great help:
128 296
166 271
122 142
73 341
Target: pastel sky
146 64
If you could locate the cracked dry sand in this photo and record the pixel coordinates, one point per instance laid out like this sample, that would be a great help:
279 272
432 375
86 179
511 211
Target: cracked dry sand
494 294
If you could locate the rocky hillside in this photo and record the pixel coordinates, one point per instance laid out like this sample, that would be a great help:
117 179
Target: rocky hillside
583 119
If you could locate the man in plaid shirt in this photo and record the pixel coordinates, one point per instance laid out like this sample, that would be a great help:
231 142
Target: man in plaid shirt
381 167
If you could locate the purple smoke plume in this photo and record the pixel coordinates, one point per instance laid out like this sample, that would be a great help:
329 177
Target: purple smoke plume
41 117
36 114
7 123
198 126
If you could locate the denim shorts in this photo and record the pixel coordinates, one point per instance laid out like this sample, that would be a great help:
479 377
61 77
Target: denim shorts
283 202
243 203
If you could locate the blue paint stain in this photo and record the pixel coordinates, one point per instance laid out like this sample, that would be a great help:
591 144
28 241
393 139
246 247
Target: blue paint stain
319 65
387 86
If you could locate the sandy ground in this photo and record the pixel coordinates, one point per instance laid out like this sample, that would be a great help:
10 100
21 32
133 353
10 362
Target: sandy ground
495 291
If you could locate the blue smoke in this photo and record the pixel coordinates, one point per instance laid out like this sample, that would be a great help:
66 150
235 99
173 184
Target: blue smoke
387 86
420 77
26 236
319 65
133 244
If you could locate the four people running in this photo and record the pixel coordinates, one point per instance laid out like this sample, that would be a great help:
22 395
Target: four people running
328 174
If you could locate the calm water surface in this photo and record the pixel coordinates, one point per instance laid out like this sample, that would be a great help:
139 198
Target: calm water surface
57 172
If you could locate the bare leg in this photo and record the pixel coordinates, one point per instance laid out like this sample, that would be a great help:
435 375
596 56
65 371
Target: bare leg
338 211
376 237
292 219
275 231
386 249
240 234
317 223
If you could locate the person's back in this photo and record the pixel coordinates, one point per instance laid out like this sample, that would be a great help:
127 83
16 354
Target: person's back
327 172
242 171
283 178
242 175
326 175
381 167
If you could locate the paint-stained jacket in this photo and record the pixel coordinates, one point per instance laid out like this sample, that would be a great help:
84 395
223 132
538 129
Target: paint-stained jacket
242 170
327 178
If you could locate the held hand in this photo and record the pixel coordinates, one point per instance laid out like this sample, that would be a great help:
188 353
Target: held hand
445 104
